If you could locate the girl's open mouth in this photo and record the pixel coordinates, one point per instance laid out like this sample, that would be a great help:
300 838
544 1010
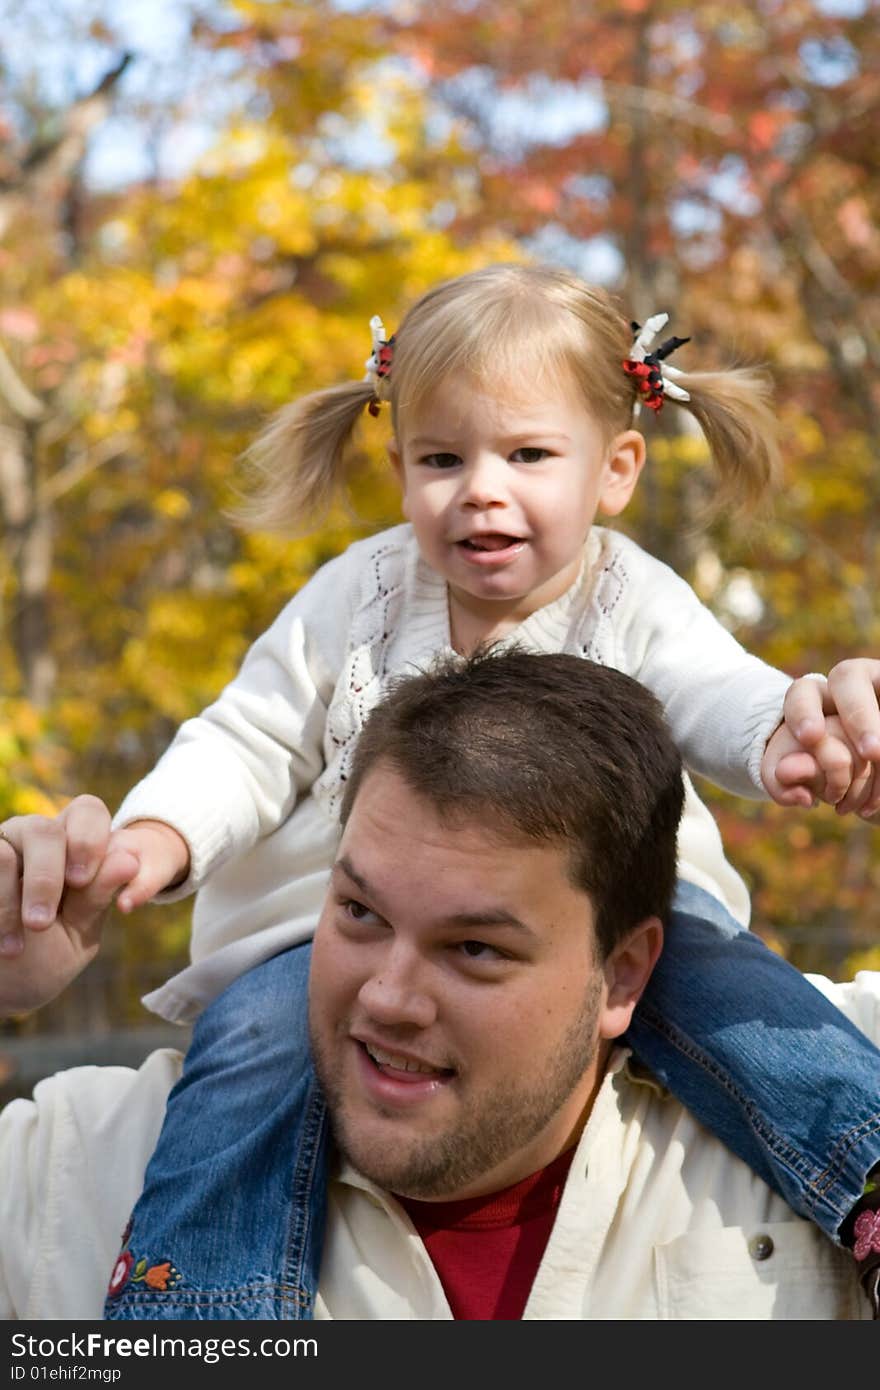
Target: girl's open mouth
488 544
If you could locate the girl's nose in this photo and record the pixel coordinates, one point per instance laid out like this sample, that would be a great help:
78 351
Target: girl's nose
484 482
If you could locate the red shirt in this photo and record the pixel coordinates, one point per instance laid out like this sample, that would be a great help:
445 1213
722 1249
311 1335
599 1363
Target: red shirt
486 1250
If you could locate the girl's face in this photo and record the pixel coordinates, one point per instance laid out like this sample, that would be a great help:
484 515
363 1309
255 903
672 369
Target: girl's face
502 490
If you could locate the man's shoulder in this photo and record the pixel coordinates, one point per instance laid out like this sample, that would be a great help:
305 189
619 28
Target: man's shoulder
101 1101
720 1238
73 1159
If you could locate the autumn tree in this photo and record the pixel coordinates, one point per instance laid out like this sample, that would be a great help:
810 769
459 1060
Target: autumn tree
151 353
718 161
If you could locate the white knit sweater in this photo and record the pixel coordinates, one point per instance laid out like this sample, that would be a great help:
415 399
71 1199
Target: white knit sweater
253 784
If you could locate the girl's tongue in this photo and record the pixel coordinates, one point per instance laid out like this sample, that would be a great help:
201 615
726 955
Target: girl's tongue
493 542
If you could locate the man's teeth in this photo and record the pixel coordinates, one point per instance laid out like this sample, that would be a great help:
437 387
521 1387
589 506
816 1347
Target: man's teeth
391 1059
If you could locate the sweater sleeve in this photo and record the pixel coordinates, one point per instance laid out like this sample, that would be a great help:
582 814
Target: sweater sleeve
722 703
234 772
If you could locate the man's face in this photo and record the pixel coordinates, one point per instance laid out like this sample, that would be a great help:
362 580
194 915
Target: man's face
456 1003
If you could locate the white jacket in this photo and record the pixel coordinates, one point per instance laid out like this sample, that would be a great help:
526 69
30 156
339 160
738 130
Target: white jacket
253 784
657 1221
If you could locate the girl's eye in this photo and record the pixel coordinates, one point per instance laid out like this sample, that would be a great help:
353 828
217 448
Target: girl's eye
441 460
530 455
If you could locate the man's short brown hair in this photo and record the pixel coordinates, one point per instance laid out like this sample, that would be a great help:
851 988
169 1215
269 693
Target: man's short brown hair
547 747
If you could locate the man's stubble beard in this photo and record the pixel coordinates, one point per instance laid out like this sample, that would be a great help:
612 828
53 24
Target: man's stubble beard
490 1129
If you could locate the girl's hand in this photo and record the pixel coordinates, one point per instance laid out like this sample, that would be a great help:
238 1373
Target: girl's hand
162 856
851 763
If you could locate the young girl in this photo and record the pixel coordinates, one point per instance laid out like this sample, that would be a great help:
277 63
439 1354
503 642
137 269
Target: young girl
512 394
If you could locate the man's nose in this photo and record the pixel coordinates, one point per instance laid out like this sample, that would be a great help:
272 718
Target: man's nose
397 993
484 482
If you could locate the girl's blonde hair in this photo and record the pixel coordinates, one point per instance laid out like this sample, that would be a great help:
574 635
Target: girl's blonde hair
507 324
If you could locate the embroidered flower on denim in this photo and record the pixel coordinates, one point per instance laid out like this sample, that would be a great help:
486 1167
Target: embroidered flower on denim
162 1275
121 1270
867 1234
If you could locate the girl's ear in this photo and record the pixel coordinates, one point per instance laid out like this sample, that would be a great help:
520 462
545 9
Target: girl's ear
623 464
397 464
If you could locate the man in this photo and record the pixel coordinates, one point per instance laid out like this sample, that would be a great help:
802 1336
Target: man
495 911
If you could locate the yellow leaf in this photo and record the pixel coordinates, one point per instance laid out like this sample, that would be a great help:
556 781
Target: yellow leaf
27 801
173 503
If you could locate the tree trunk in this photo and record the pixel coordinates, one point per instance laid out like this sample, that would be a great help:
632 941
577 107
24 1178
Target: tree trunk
28 534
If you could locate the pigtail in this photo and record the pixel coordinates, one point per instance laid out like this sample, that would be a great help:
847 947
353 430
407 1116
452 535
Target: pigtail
299 461
735 412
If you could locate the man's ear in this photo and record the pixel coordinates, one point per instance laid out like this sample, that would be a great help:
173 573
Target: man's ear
627 971
397 464
623 464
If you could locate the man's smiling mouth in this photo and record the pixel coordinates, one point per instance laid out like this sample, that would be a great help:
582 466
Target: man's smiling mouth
390 1062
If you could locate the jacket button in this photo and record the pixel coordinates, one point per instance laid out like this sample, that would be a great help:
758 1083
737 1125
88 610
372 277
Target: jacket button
761 1247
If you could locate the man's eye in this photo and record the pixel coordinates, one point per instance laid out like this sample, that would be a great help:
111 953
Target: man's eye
441 460
358 912
530 455
480 950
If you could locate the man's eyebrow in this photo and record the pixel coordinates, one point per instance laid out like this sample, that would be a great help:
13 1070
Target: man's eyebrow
345 864
480 921
464 921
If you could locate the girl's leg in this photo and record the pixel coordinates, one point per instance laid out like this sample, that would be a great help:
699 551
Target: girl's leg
763 1059
230 1223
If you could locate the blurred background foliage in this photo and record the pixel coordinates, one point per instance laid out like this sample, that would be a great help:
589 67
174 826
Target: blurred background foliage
716 160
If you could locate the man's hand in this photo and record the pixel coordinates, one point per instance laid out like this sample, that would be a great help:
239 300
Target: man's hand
828 746
51 958
39 858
